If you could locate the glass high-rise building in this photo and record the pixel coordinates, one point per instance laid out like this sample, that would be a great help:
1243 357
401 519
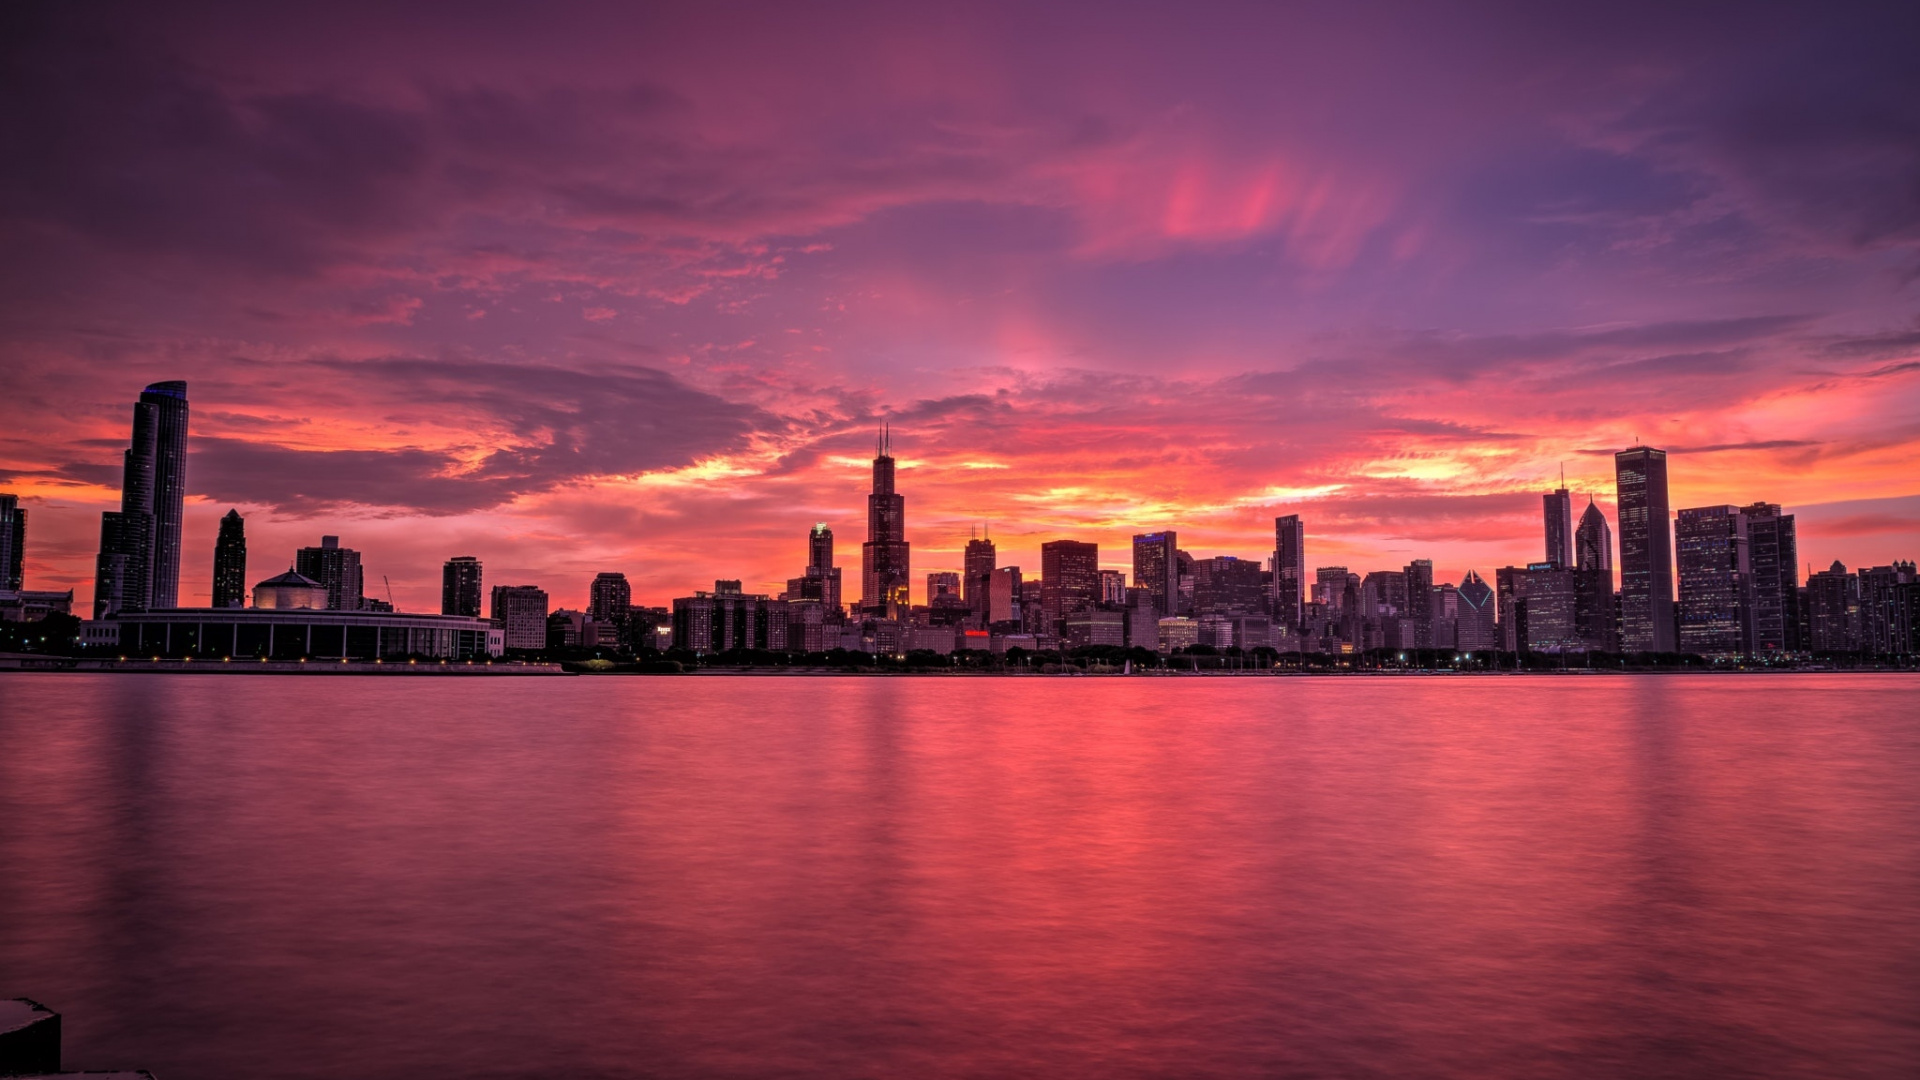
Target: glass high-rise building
1559 525
977 574
821 579
885 558
1711 543
1474 622
13 543
169 400
460 586
1594 602
1420 601
1069 581
139 563
1833 610
1773 553
1156 568
230 562
1646 550
1289 569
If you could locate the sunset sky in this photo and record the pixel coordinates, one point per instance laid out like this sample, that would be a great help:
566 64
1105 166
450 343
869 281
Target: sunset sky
624 287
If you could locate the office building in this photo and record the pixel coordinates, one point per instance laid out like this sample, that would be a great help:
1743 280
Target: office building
820 581
1229 585
1006 596
1833 610
1537 609
1289 569
1559 525
946 601
337 568
1596 608
1420 601
13 544
460 587
1646 551
1156 568
1178 632
977 573
1069 581
230 562
885 557
1773 556
1474 624
1711 544
520 611
123 574
1113 588
1095 626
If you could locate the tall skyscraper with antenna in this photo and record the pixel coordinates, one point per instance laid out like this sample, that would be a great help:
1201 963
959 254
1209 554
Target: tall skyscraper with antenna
884 559
977 578
1559 515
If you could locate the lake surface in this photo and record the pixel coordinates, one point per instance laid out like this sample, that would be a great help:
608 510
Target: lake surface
227 877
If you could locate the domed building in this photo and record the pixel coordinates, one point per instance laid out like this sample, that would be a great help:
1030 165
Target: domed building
289 591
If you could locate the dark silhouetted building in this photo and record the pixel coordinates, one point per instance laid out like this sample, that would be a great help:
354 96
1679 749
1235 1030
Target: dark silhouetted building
1646 550
1595 607
885 557
460 587
1833 610
1006 597
1773 554
1229 585
1538 608
1883 630
338 569
1711 544
609 598
727 619
1069 581
1289 569
1559 534
13 544
1113 588
1156 569
1420 602
520 611
977 575
230 562
1474 625
821 579
123 575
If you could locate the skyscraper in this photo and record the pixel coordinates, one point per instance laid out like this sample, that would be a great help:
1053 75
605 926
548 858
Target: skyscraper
13 543
1228 585
821 579
1593 581
1833 616
884 558
1420 601
230 562
1156 568
1559 535
609 598
1773 553
1289 568
169 400
1069 581
1006 595
1711 542
977 574
1646 550
460 586
335 567
123 576
1474 625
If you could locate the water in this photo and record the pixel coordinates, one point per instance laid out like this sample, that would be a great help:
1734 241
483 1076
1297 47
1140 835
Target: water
219 877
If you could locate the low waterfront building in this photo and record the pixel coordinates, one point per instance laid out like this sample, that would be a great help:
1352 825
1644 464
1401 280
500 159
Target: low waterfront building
1178 633
293 633
32 605
290 591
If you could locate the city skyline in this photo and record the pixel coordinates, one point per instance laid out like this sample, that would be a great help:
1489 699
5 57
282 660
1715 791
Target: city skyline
616 290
